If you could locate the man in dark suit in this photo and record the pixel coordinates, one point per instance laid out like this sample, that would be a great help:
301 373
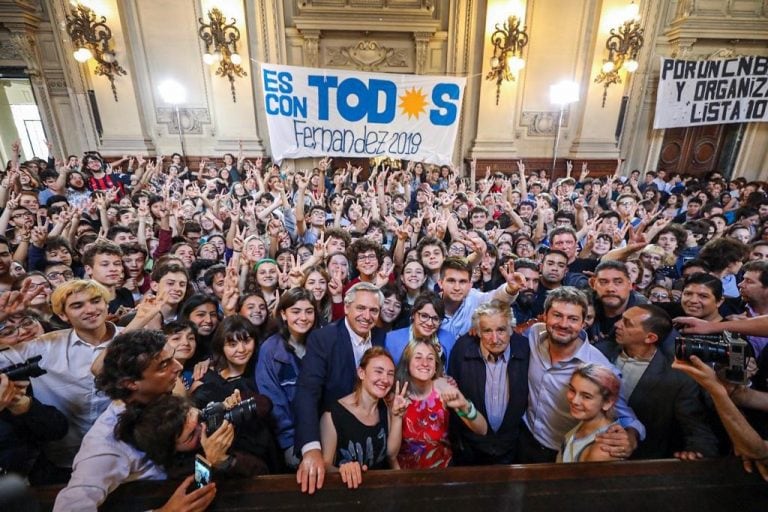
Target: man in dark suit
491 371
328 372
667 402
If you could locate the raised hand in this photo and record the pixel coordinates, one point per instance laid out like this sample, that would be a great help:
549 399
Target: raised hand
15 302
231 292
515 280
336 284
400 401
584 171
295 275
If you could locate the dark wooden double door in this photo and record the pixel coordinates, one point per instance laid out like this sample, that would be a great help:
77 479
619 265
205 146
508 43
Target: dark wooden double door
697 150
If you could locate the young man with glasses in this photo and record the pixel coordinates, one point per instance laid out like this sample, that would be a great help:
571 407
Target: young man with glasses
58 274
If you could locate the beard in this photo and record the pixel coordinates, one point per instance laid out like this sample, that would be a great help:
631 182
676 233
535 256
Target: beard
526 298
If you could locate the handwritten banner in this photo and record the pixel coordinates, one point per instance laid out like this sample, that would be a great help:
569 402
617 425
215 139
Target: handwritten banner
698 92
316 112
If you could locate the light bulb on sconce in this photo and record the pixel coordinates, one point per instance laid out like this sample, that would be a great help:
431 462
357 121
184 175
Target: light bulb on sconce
632 12
208 58
631 65
82 54
236 59
515 63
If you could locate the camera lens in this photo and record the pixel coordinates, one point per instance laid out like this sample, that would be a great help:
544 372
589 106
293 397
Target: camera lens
242 412
708 352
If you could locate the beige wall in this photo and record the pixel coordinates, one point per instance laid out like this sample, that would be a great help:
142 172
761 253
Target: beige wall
158 40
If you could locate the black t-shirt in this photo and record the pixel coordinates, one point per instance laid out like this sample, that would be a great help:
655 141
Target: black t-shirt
123 297
583 265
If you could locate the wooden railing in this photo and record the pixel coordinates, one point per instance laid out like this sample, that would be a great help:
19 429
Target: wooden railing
646 486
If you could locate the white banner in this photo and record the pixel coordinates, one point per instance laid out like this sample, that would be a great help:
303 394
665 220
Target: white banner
316 112
698 92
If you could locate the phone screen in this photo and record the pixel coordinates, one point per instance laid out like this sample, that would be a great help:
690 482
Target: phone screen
202 472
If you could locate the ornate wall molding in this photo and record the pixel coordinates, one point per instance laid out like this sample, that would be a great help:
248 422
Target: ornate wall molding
367 55
542 123
422 51
26 47
311 47
57 85
192 119
9 50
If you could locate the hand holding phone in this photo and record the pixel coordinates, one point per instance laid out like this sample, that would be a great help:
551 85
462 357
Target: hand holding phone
202 472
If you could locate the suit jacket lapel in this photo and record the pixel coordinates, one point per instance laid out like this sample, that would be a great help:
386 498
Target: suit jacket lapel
346 350
650 377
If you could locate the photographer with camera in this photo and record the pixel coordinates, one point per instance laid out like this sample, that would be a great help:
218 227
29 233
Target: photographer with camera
138 368
170 430
233 350
746 441
25 424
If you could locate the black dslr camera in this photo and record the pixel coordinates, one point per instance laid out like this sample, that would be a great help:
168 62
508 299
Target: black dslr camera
25 370
215 413
726 351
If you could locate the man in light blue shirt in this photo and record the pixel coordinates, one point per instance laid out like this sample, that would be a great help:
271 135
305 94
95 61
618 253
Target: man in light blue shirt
559 346
461 299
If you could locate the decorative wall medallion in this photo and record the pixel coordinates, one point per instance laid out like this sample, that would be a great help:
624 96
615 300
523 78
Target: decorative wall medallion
542 124
367 56
192 119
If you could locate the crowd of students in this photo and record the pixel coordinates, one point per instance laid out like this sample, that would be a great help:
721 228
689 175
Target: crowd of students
399 317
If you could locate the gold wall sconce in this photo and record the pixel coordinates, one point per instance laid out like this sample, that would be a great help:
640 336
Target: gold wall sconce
623 45
220 40
92 38
508 42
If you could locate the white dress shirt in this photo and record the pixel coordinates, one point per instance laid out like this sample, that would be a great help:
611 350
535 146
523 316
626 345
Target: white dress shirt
103 464
68 385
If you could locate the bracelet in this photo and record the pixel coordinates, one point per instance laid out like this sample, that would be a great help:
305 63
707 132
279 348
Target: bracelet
471 415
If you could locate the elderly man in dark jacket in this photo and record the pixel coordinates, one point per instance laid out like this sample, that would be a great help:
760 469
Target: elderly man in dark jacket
491 370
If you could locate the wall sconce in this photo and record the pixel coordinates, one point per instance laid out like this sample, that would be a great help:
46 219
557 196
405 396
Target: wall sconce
221 40
92 40
508 43
623 45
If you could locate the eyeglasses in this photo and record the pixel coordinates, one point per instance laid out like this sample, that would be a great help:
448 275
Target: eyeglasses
10 330
425 318
67 274
627 203
661 296
369 257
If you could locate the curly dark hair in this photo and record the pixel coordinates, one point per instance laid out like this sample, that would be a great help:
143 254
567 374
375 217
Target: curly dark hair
127 357
362 245
155 427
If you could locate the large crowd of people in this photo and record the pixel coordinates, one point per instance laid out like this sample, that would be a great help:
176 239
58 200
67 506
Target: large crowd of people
349 319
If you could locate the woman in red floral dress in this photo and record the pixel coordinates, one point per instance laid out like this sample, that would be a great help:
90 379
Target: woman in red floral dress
424 426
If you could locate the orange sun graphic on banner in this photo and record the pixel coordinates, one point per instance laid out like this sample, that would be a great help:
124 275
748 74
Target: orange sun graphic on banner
413 103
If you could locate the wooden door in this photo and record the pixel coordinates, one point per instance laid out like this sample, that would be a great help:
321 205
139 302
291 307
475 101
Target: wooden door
695 150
